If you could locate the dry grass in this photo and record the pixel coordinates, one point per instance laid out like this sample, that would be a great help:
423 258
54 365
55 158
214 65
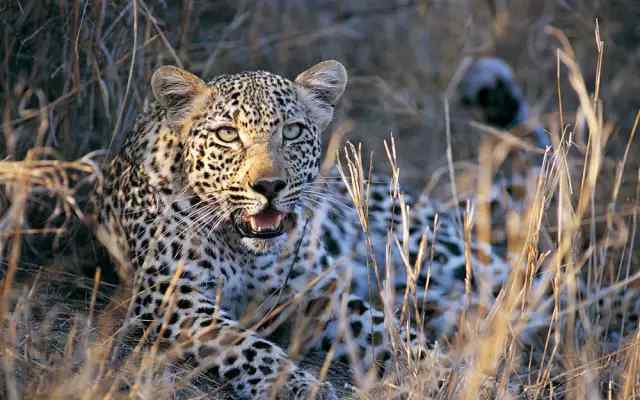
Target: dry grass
74 73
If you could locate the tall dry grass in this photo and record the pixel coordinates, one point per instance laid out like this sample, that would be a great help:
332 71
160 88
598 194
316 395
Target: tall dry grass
75 72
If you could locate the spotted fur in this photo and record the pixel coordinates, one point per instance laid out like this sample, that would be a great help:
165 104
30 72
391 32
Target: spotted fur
204 159
169 205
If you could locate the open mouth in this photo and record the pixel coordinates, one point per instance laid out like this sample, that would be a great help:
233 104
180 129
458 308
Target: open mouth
266 224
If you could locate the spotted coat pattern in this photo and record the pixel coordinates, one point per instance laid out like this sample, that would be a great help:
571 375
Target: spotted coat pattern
168 203
173 199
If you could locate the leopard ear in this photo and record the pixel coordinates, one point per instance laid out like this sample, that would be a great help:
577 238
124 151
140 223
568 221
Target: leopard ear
176 90
326 81
320 87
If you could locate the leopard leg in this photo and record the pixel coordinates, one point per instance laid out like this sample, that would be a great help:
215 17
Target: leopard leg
201 334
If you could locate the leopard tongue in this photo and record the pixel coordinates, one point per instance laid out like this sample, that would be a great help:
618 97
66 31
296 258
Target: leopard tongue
266 220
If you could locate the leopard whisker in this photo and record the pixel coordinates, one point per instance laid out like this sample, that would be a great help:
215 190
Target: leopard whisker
330 199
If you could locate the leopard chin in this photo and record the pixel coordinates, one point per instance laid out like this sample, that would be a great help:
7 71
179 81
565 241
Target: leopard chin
263 246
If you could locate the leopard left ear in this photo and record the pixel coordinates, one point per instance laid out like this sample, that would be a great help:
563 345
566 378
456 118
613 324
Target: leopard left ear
326 81
320 87
176 90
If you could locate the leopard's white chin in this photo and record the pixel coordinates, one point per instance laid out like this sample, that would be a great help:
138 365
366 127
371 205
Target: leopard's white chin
262 246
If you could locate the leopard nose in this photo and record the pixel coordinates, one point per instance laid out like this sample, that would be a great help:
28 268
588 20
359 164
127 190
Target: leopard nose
269 188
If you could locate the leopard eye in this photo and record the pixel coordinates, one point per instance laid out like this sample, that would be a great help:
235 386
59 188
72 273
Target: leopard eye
292 131
226 134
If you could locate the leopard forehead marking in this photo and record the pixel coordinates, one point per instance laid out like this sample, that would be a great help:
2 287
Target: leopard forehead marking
255 101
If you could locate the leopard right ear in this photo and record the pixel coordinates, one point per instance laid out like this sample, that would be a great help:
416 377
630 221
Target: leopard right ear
176 90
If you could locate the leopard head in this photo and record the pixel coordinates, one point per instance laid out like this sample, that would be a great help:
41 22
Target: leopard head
251 143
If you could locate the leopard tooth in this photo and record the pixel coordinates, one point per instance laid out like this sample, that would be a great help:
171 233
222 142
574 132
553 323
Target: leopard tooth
256 228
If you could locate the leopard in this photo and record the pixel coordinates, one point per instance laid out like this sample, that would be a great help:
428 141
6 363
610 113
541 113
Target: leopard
203 202
220 221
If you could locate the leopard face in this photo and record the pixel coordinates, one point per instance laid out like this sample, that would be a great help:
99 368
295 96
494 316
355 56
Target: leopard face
251 144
